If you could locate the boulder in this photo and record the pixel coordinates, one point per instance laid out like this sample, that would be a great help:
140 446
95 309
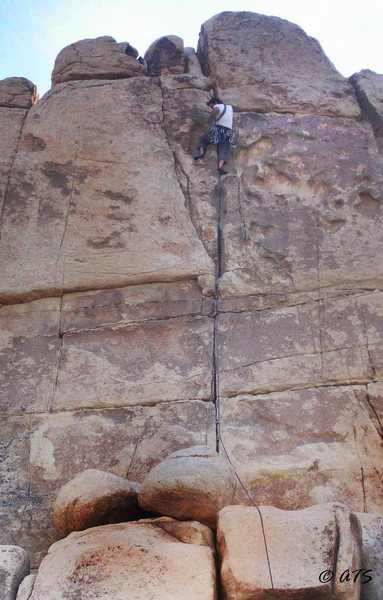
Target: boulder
26 587
192 64
300 544
99 58
14 566
267 64
94 498
368 87
17 92
372 555
194 483
165 56
131 560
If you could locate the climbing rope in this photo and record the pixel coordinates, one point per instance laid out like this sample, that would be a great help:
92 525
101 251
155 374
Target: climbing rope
220 442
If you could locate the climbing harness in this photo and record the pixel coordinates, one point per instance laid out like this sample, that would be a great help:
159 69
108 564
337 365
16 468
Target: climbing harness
220 442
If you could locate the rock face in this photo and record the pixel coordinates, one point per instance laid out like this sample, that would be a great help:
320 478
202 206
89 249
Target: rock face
369 91
136 560
372 555
301 545
14 566
94 498
26 587
17 92
101 58
166 56
194 483
146 306
266 64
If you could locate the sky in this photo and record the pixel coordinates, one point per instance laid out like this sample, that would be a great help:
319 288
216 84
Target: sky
32 32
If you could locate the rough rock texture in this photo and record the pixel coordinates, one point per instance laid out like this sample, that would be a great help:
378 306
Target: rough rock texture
295 224
301 545
267 64
141 230
194 483
369 92
123 441
94 498
17 92
192 64
318 445
100 58
165 56
372 555
26 587
136 290
14 566
136 560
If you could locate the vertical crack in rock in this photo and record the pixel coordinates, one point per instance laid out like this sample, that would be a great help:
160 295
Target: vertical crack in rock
59 251
10 172
177 164
59 359
365 509
360 313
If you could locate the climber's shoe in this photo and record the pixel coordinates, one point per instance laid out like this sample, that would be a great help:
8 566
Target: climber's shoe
222 172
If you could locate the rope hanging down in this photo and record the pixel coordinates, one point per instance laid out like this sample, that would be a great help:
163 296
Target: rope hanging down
220 442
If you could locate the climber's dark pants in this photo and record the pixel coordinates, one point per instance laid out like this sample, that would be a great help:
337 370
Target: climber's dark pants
223 148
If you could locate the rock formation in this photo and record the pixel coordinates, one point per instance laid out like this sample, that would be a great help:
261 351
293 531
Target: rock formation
147 307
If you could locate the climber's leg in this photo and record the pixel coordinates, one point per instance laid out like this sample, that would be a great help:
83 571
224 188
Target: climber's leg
203 143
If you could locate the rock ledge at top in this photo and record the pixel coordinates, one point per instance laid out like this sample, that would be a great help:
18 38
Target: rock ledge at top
17 92
267 64
99 58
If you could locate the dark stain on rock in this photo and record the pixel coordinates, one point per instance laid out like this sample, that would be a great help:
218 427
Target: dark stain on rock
165 220
111 241
368 205
59 175
31 143
118 197
48 212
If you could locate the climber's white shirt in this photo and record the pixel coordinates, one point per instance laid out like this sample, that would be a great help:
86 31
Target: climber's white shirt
227 119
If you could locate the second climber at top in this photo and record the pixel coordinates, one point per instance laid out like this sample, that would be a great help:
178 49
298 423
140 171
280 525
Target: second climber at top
220 134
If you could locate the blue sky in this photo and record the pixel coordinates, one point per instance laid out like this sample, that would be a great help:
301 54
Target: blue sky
33 32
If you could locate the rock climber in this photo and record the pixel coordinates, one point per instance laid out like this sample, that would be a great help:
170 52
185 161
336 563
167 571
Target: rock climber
220 134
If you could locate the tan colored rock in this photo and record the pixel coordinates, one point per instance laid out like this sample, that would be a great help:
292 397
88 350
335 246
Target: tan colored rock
14 566
372 556
293 225
194 483
301 545
136 303
44 451
99 58
369 92
141 232
26 587
335 340
186 118
303 447
137 560
375 397
17 92
29 353
94 498
11 123
140 363
267 64
192 64
165 56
